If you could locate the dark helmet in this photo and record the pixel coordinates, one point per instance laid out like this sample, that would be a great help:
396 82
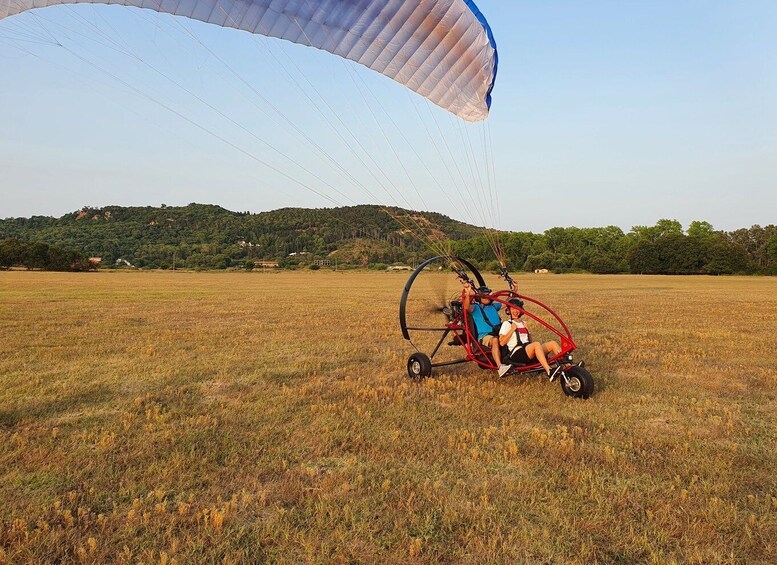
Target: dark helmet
484 290
516 303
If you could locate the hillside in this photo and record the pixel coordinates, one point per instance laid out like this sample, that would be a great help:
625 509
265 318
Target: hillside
208 236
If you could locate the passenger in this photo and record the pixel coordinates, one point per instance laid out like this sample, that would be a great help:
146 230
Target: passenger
485 315
520 349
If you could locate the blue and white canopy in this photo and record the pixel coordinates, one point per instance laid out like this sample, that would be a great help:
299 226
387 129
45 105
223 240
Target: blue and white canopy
442 49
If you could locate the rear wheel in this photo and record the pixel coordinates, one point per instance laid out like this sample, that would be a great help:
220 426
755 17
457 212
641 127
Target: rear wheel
577 382
419 366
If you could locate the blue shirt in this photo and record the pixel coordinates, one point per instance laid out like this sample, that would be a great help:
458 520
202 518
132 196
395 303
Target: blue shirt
485 325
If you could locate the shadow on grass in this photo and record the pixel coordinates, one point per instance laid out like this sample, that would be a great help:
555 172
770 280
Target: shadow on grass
43 408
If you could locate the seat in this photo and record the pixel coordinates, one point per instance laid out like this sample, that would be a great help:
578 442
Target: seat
478 351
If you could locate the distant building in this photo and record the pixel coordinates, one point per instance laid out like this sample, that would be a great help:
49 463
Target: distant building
399 268
124 263
95 260
267 264
323 262
541 271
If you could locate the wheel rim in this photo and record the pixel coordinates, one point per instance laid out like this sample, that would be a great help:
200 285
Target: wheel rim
574 384
415 367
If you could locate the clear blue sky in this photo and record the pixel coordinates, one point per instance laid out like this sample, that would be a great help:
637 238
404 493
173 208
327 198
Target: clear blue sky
604 113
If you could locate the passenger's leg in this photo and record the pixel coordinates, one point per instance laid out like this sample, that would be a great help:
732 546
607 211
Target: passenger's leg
534 351
496 351
551 347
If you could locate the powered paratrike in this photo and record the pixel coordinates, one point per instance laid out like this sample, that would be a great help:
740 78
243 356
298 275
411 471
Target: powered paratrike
432 319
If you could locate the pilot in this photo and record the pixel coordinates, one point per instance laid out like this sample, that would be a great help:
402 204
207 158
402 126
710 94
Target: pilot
485 315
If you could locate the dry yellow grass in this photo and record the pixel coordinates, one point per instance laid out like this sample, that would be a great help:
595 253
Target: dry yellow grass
179 417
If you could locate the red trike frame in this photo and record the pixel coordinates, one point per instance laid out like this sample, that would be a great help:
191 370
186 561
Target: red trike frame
459 326
478 353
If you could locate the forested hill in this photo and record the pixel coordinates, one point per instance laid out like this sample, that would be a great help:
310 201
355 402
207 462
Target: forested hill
208 236
201 236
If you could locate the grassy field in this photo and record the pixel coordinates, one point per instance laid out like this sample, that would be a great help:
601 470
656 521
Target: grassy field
266 417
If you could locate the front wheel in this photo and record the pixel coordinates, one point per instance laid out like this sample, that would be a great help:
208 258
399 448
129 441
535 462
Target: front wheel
419 366
577 382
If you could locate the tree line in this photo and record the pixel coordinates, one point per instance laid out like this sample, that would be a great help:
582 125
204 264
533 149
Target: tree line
39 255
209 237
665 248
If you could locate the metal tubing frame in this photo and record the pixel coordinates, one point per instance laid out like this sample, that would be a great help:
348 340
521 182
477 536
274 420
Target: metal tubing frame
563 333
411 280
481 357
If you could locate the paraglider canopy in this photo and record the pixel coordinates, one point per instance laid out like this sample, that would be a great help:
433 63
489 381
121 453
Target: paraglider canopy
442 49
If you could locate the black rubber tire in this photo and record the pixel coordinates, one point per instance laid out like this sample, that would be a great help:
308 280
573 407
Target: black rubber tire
581 383
419 366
